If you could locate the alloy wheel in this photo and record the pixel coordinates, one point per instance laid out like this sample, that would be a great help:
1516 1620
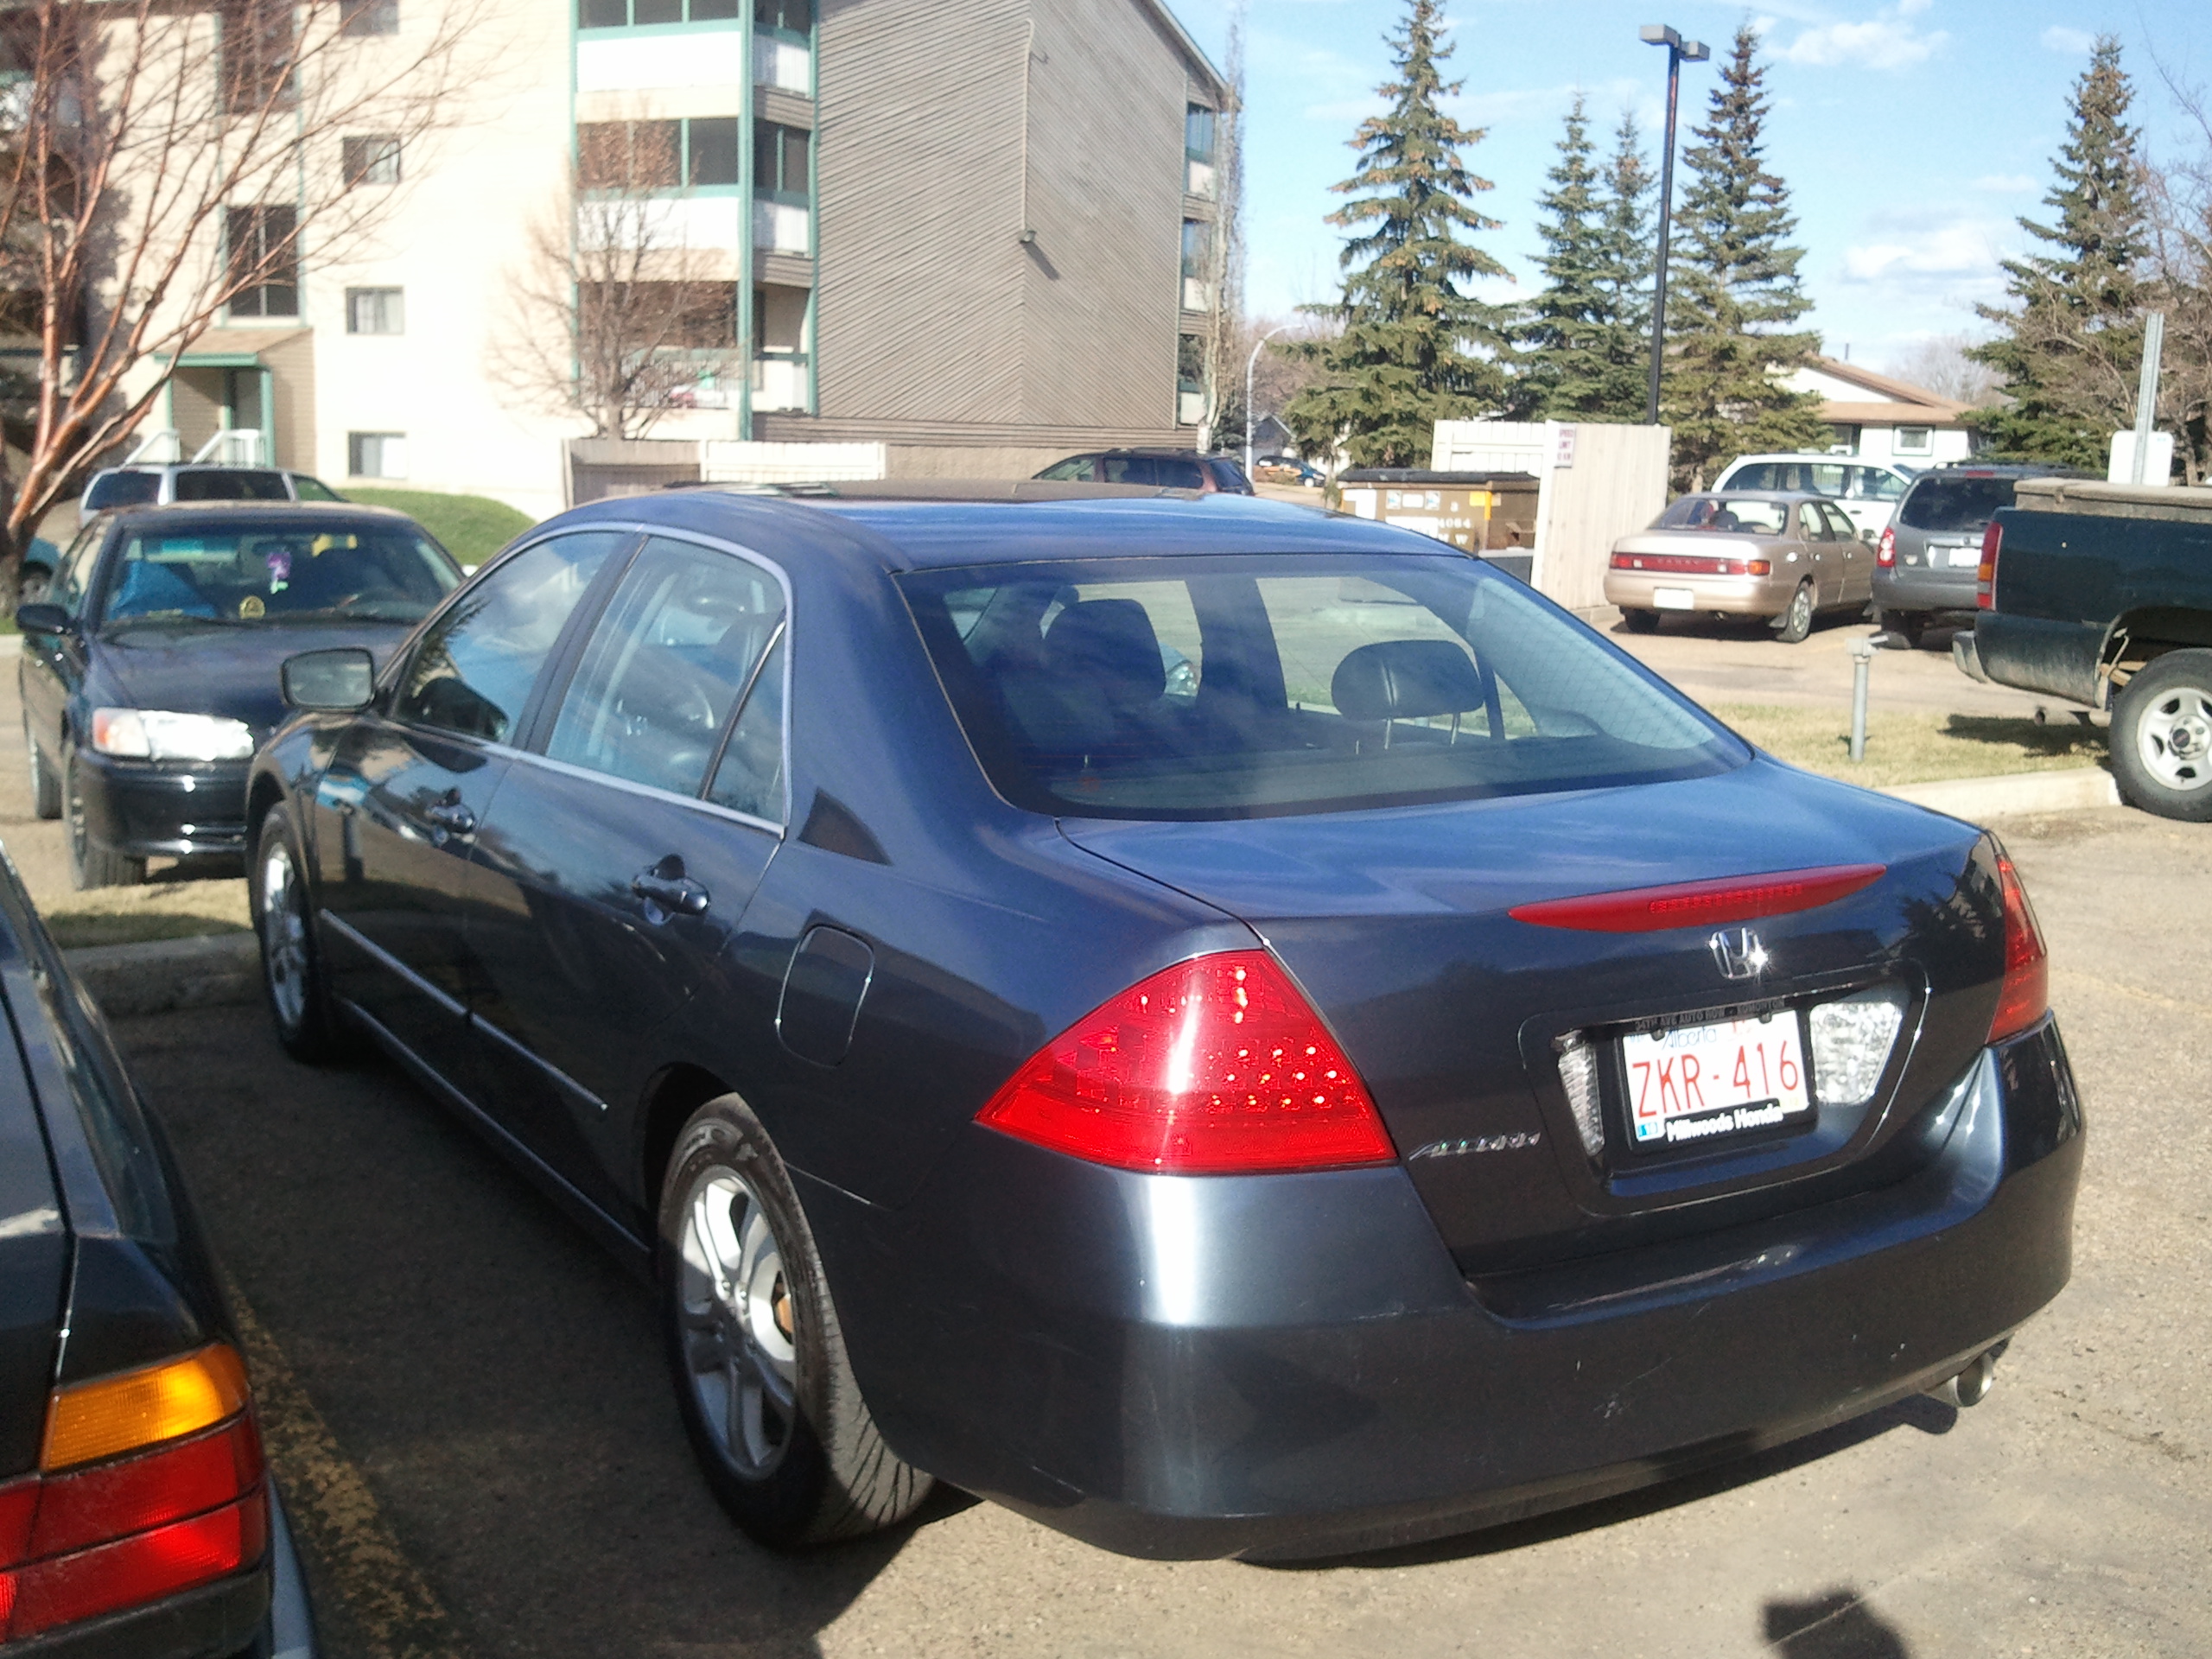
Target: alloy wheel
2174 738
739 1324
284 936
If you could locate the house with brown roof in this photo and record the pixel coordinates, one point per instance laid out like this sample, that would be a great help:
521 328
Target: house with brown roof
1882 419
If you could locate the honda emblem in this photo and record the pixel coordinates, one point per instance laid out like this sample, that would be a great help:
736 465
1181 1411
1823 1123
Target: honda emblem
1737 953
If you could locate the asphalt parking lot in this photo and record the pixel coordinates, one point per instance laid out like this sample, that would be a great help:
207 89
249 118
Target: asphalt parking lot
466 1401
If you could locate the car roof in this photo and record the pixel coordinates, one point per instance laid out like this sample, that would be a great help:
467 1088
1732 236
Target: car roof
1999 469
1828 459
933 525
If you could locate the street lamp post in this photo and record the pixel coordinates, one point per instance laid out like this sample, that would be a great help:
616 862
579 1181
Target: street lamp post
1679 52
1250 364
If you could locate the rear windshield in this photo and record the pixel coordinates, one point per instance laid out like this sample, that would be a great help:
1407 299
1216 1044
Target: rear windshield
123 490
1232 688
247 574
1954 503
231 484
1734 515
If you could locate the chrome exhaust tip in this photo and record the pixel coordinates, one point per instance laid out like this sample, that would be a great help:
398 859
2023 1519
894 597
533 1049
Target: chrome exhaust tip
1971 1386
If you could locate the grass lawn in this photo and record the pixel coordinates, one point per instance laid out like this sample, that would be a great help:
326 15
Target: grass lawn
472 527
1915 749
160 910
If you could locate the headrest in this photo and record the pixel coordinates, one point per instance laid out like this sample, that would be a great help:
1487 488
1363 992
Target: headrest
1406 679
1110 642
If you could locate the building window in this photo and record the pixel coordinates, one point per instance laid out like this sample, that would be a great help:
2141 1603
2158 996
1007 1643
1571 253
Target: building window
1198 264
368 16
257 54
1915 441
780 160
1198 149
376 311
789 16
641 13
711 150
376 455
1190 379
262 244
630 155
370 158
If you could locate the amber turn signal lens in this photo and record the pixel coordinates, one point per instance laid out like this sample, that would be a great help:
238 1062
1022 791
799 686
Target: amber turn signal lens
104 1418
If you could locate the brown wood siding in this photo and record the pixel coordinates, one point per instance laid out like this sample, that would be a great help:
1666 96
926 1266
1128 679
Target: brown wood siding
930 311
292 374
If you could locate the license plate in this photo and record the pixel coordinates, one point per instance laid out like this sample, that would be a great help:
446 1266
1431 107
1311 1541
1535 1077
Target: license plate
1697 1083
1673 599
1962 556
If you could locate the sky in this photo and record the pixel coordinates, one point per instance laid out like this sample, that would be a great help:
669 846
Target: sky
1912 135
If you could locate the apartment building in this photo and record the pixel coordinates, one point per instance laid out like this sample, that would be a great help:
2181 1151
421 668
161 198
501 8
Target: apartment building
952 237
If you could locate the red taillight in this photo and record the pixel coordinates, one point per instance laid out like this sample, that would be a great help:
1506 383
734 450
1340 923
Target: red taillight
2025 995
151 1482
1215 1066
1885 551
1984 575
1698 904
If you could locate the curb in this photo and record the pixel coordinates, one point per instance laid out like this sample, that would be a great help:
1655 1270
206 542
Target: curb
1978 799
210 971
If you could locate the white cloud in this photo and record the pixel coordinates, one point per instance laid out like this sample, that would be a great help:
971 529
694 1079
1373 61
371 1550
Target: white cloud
1888 41
2073 42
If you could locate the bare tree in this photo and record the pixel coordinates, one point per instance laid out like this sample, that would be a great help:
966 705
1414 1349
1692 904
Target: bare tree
2181 257
1940 364
163 164
618 317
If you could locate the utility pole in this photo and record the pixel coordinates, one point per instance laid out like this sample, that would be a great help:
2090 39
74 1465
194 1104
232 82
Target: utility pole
2147 397
1679 52
1252 363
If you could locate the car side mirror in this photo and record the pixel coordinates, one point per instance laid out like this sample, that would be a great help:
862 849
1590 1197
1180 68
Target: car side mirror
42 618
340 681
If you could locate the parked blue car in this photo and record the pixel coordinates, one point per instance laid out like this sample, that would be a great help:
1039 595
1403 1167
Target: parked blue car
1412 1069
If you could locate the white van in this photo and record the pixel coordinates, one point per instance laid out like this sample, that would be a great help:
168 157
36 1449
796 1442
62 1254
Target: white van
1867 491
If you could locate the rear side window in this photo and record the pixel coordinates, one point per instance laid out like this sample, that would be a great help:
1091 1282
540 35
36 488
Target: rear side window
474 665
1954 503
123 490
313 489
231 484
666 666
1229 687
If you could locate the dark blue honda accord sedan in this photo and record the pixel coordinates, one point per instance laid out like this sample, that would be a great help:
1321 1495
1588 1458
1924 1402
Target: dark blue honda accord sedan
1405 1069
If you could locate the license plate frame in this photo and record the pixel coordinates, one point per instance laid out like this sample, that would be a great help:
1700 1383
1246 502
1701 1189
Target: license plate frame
1966 558
1742 1094
1673 599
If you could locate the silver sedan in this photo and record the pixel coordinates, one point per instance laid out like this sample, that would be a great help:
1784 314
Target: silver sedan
1784 556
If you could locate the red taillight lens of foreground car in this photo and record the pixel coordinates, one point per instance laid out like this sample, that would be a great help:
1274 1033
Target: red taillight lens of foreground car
1885 551
1984 575
150 1482
2025 995
1215 1066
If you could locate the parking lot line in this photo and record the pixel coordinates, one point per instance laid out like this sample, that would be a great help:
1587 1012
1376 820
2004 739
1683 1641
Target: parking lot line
336 1516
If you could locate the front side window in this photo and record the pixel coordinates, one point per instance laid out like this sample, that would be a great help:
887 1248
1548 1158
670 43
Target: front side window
263 248
1073 470
248 573
376 311
667 664
1254 686
472 670
75 577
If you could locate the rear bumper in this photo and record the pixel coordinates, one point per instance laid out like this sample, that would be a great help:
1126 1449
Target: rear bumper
1637 590
1966 656
1291 1365
1907 588
149 809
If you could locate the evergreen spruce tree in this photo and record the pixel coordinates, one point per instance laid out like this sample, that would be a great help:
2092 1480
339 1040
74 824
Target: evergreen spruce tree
1582 340
1401 362
2071 343
1733 294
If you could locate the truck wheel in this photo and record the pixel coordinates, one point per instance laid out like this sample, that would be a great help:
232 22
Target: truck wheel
2162 737
1907 625
1794 624
1641 621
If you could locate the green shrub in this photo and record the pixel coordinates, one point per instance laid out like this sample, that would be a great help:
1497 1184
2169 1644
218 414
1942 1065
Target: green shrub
472 527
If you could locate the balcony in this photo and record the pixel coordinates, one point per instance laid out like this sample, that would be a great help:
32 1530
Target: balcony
779 381
785 65
780 227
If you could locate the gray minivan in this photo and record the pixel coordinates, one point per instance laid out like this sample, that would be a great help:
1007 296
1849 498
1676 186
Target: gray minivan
1924 564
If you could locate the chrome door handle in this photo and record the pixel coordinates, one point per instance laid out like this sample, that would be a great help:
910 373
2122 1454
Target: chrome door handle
666 886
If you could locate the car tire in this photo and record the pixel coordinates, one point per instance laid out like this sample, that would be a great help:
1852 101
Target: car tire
1640 621
46 787
762 1380
1909 626
91 864
2162 737
1795 622
309 1025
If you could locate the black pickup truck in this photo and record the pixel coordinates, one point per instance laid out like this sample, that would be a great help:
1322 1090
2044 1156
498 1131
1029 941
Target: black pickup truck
2101 594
